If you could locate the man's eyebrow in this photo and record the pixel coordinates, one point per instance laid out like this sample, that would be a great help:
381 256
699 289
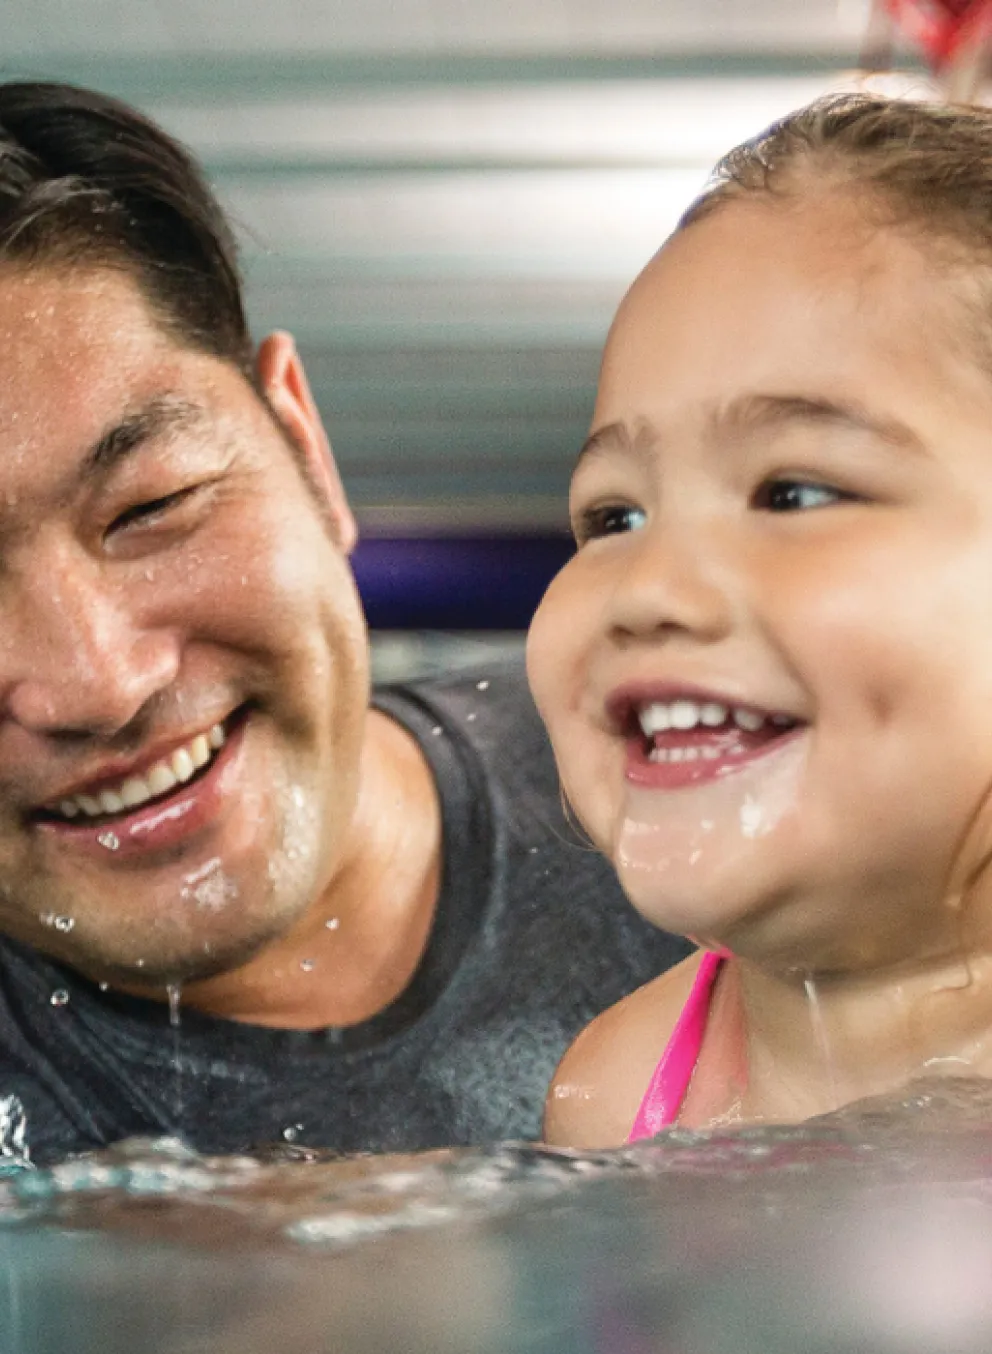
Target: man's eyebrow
163 414
770 413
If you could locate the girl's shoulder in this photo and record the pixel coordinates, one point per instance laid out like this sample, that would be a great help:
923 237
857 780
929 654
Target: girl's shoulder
601 1080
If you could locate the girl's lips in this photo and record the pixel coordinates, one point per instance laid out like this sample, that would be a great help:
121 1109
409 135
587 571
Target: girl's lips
162 823
680 759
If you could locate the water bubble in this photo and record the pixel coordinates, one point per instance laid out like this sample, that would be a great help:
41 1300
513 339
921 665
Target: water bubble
292 1131
64 924
306 965
104 987
482 686
110 840
14 1151
60 997
332 923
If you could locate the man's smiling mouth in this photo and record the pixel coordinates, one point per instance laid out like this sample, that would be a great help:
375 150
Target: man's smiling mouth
104 800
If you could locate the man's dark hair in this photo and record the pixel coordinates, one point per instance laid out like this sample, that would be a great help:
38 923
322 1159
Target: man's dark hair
84 179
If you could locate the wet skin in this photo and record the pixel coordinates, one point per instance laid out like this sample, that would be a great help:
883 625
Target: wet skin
165 566
787 503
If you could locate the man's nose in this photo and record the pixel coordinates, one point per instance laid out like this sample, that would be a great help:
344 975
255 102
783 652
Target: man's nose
73 657
673 581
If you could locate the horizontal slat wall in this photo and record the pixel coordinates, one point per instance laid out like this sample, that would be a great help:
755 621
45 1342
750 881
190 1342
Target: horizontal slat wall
445 199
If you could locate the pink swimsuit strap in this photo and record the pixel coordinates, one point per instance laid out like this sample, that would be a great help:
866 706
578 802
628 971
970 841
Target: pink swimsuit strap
666 1091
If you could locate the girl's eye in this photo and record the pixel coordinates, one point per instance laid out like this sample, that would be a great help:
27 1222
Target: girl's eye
146 513
782 495
610 520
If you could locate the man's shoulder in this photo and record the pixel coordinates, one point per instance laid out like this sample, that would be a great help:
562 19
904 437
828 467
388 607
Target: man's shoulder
488 712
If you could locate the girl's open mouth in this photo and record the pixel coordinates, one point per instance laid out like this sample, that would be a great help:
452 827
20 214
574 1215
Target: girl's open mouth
676 743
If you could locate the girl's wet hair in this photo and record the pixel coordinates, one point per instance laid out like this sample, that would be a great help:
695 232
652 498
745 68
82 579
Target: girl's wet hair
922 166
84 179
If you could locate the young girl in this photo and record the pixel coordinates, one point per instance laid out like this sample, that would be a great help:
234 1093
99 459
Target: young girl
767 671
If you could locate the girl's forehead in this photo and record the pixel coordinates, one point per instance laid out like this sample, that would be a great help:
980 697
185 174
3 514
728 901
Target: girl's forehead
756 294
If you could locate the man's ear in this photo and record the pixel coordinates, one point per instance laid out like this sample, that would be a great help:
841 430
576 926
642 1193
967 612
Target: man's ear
284 384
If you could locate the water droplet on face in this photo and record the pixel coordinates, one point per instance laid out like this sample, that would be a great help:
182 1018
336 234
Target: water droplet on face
332 923
292 1131
64 924
110 840
306 965
482 686
60 997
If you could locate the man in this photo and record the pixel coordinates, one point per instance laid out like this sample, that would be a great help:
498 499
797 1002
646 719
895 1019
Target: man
237 902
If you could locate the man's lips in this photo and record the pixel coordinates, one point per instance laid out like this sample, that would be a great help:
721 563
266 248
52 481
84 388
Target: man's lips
123 785
164 823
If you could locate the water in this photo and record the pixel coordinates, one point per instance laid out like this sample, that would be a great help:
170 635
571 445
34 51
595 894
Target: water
865 1232
174 994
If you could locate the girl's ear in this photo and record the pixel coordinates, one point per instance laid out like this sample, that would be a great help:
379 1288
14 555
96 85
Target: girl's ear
283 381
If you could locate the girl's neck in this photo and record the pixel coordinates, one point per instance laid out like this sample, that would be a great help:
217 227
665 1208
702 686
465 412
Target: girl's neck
814 1043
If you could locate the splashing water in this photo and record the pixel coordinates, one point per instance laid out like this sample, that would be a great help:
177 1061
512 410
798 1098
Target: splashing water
866 1230
14 1152
174 994
820 1035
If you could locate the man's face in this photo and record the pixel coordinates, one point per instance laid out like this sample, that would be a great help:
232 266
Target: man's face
183 663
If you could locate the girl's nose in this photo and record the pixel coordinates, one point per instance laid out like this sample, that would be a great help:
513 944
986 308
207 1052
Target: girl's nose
673 581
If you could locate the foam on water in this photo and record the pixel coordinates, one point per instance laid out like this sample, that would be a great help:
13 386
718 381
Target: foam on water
940 1131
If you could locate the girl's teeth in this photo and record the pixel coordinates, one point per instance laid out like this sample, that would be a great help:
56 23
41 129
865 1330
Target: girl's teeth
712 714
693 754
684 714
163 777
749 720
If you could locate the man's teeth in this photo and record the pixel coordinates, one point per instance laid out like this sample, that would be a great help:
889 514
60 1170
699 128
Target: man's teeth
682 714
162 777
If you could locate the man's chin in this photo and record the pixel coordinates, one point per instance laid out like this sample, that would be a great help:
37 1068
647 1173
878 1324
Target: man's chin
153 975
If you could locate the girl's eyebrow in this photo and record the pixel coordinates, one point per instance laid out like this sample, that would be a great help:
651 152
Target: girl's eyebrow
772 413
611 437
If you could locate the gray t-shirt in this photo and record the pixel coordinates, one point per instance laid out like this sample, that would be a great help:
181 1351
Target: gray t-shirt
531 939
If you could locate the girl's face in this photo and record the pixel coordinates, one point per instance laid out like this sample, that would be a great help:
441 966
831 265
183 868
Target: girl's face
767 671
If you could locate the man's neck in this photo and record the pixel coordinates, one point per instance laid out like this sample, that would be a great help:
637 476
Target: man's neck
359 943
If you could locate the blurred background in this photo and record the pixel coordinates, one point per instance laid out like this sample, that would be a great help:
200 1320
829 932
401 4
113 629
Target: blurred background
445 200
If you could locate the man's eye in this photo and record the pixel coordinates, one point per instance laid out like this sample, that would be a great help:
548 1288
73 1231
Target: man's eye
610 520
147 512
784 495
